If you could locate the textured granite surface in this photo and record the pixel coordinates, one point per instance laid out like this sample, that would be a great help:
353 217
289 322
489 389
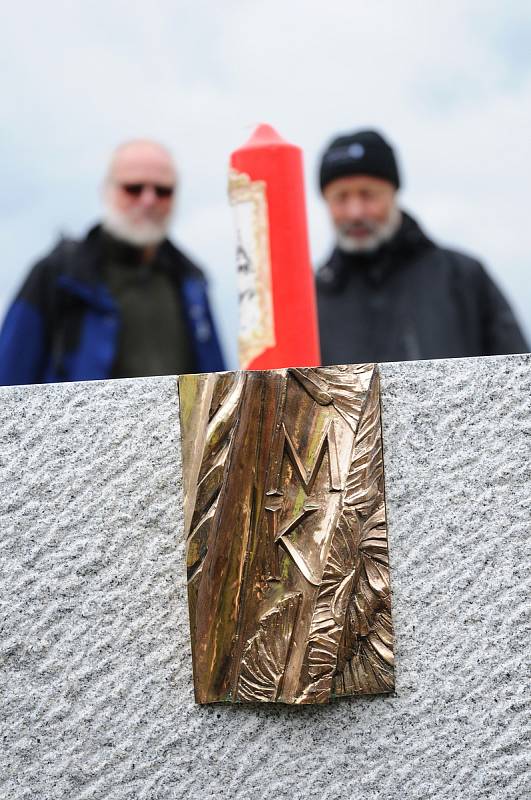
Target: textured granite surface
96 695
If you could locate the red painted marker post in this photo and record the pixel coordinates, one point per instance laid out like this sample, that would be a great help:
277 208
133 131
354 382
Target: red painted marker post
278 316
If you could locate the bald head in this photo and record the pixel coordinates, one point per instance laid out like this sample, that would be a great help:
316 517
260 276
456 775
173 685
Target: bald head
139 192
140 160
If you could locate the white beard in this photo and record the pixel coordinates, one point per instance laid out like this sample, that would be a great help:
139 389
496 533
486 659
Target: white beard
382 233
138 234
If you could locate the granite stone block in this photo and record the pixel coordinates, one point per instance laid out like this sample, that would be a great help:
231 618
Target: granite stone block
96 694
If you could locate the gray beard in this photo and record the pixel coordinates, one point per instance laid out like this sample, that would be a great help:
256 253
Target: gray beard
385 232
145 234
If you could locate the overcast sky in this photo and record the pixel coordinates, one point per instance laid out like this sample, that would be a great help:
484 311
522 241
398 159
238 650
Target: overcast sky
449 83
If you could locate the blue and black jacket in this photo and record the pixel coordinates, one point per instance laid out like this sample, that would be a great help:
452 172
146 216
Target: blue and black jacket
64 323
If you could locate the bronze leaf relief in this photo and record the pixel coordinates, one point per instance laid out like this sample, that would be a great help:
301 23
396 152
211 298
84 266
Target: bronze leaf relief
288 569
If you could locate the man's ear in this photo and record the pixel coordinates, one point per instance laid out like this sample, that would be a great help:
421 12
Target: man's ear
104 188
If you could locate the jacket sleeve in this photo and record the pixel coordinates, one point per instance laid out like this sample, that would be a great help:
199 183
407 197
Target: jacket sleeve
204 336
214 360
501 333
25 331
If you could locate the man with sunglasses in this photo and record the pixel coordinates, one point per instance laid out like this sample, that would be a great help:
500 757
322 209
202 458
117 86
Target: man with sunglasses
124 301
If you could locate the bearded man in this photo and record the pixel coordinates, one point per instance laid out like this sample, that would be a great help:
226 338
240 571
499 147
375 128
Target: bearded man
389 293
124 301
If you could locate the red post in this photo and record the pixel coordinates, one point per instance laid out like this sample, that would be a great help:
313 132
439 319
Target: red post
278 316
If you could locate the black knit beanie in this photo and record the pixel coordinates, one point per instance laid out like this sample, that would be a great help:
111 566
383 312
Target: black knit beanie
360 153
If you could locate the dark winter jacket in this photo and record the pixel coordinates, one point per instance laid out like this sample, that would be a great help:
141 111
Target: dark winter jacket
64 323
411 300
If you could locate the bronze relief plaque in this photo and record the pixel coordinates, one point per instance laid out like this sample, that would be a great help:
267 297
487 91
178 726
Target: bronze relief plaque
288 570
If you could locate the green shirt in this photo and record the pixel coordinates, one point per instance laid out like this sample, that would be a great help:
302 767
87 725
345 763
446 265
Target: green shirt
153 339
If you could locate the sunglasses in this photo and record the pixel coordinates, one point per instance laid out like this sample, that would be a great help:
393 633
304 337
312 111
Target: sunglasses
136 189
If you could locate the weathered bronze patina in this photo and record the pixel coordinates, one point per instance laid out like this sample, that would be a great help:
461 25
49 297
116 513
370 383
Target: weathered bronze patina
288 575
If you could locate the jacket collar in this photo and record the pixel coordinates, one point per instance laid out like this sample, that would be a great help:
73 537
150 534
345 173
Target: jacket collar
83 261
408 241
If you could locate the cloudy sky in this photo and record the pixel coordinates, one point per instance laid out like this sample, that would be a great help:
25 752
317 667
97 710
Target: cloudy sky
449 83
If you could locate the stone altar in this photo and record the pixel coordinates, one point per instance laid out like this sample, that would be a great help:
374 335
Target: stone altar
96 686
